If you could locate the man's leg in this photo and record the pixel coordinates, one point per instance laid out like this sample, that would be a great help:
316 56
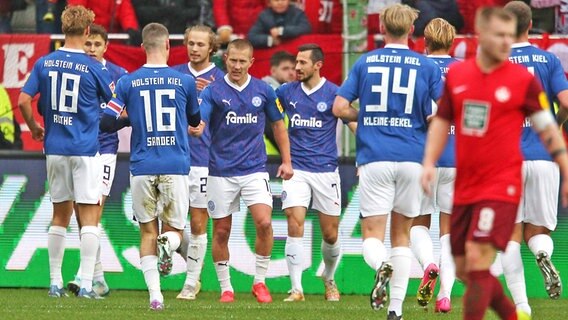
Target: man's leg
262 216
447 266
331 252
149 262
220 253
375 255
294 248
540 243
514 270
401 258
423 249
195 252
56 245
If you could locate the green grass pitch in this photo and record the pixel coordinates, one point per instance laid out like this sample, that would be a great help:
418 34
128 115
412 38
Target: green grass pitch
35 304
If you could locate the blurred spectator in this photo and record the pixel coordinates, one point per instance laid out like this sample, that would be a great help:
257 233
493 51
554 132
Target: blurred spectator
469 7
9 129
430 9
7 7
562 17
278 22
48 15
325 16
374 8
235 17
114 16
282 69
176 15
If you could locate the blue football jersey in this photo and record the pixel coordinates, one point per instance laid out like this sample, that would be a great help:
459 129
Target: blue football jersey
395 87
448 157
547 68
200 146
236 117
158 100
312 126
70 84
109 141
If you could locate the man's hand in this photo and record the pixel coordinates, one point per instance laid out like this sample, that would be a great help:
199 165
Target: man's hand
285 171
428 177
196 131
37 132
201 83
274 32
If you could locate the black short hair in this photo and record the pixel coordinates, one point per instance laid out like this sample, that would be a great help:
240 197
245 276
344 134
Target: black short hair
280 56
316 51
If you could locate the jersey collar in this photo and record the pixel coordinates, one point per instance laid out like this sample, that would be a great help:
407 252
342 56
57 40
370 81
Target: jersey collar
148 65
196 73
234 86
396 46
314 89
71 50
521 45
438 56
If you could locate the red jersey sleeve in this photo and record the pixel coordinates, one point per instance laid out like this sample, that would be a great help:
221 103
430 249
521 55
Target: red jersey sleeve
445 108
535 99
127 16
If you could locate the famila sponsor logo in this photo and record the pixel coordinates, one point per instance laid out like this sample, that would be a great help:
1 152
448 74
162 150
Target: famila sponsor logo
312 122
233 118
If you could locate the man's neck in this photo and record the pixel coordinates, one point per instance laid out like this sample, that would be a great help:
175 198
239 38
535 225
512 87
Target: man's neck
241 82
74 42
440 52
156 58
313 82
523 38
391 40
200 66
487 64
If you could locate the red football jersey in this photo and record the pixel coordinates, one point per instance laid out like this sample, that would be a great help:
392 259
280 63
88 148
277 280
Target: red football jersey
488 110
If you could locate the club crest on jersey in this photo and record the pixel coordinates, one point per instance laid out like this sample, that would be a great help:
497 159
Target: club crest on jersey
211 206
112 87
322 106
256 101
502 94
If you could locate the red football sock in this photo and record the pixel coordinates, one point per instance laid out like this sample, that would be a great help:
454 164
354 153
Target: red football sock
478 294
500 303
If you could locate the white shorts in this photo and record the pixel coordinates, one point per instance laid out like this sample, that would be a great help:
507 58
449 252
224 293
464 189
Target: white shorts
198 187
74 178
323 188
223 193
442 193
108 161
161 196
539 203
387 186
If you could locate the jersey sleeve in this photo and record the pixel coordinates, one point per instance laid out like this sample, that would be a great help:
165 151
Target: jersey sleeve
32 84
558 81
273 107
445 108
535 100
115 105
281 95
205 102
350 87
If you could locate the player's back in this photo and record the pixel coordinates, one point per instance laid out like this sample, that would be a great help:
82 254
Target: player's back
395 87
70 84
236 123
312 126
109 141
447 159
200 146
547 68
156 99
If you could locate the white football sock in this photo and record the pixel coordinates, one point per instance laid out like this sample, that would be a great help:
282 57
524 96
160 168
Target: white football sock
331 254
374 252
261 268
447 268
173 239
515 275
149 266
89 246
195 256
401 258
421 245
541 242
56 250
223 275
99 274
294 258
184 245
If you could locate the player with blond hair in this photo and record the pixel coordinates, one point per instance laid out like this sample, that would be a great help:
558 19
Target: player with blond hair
439 36
395 87
70 84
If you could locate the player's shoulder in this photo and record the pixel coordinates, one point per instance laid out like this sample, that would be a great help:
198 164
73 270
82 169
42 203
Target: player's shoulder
330 86
113 67
182 67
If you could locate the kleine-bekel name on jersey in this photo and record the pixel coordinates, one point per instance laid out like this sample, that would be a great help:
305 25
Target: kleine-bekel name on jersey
233 118
312 122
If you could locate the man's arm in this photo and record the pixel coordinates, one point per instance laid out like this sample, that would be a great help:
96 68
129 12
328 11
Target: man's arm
342 109
562 115
25 105
281 136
